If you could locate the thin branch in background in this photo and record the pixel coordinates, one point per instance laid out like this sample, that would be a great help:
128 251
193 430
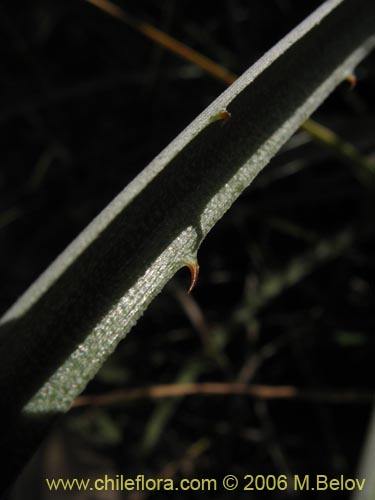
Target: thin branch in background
258 358
193 312
168 42
364 168
274 284
222 389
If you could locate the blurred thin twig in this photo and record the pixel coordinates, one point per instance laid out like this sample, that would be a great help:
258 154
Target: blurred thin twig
193 312
218 388
168 42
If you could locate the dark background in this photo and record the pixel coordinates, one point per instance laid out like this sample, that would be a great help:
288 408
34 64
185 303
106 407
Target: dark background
86 103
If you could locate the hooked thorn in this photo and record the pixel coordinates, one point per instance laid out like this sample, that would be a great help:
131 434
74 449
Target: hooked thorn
352 79
223 116
194 272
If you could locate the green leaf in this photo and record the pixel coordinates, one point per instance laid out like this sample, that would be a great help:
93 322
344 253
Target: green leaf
57 335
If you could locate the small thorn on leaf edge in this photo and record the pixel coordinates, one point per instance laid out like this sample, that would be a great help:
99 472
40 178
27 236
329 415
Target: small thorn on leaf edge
352 79
194 272
223 116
